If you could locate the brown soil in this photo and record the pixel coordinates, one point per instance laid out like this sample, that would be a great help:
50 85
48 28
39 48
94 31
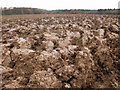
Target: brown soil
60 51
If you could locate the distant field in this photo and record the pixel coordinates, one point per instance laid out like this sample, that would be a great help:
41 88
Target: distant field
60 51
49 15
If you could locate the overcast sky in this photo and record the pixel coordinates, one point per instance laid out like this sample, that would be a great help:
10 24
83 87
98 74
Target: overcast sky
61 4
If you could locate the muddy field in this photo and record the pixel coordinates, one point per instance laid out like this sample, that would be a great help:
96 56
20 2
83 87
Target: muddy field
60 51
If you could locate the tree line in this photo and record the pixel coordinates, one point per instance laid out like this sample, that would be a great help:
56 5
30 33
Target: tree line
23 10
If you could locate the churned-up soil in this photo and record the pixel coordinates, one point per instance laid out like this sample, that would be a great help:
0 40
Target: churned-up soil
60 51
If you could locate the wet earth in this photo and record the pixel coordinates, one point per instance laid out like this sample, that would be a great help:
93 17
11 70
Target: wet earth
60 51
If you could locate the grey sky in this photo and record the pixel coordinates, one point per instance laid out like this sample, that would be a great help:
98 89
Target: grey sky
61 4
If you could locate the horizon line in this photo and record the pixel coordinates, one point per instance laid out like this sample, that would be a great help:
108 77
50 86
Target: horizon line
58 9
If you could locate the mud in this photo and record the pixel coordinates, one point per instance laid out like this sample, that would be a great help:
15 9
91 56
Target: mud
69 51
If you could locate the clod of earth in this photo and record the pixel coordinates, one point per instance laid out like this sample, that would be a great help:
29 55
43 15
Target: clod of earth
60 51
